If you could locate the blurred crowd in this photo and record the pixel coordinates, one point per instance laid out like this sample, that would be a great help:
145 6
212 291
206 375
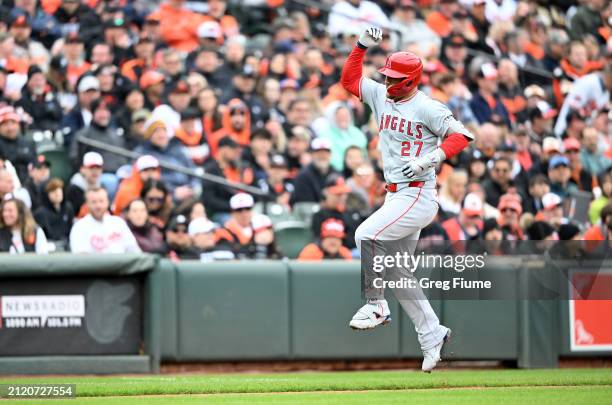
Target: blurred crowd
101 100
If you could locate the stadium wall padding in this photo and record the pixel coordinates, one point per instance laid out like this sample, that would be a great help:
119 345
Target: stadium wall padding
289 310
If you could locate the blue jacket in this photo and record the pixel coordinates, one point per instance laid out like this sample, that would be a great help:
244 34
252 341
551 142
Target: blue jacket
483 112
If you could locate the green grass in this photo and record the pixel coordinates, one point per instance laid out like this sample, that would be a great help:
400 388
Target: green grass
567 386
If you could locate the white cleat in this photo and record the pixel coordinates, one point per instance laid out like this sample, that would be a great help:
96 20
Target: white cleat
371 315
431 357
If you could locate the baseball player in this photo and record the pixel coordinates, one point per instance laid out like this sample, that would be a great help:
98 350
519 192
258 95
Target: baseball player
416 134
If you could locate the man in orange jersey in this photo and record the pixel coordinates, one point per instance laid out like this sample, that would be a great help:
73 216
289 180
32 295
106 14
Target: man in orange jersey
329 246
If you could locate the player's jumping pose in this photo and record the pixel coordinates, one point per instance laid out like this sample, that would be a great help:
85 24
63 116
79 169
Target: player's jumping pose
410 127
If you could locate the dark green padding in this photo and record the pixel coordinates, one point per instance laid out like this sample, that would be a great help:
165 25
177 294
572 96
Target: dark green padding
165 278
75 365
29 265
324 297
233 310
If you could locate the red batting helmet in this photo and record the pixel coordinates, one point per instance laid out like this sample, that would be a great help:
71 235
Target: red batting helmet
403 65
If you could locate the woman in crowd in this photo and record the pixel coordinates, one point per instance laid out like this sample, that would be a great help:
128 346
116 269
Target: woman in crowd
452 192
55 215
19 233
149 237
158 202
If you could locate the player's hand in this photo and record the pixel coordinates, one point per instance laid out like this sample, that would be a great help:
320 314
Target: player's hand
371 37
416 167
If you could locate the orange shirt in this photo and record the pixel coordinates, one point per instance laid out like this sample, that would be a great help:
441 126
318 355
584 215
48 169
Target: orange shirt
312 252
179 27
439 23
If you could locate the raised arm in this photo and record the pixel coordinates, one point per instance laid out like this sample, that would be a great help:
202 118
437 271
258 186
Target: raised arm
352 70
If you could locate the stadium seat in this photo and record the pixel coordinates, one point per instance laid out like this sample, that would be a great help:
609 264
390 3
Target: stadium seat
60 163
303 211
276 212
292 236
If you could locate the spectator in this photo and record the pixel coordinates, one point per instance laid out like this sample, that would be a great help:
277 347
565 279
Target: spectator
40 102
238 230
356 14
605 189
244 83
333 205
19 233
556 46
367 192
330 244
410 26
341 133
178 100
227 165
540 230
55 215
264 239
178 25
25 47
191 136
152 84
310 181
257 154
170 151
510 210
158 201
569 231
593 161
100 232
559 174
486 103
89 176
124 116
440 19
468 223
511 91
552 210
576 65
236 123
580 177
452 193
454 54
149 237
177 238
499 182
576 123
13 145
88 90
204 244
299 112
603 229
297 155
587 19
38 174
538 187
146 167
101 130
276 183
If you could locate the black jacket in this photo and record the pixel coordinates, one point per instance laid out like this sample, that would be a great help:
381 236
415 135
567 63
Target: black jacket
109 136
214 196
45 110
350 219
309 184
55 223
20 151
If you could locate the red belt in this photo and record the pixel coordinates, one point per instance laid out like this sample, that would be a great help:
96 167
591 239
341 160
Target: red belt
392 187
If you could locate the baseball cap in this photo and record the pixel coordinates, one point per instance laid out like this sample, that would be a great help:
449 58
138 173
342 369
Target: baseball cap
278 160
88 83
289 84
488 71
241 200
543 110
571 144
200 225
534 91
209 29
550 201
558 160
336 185
41 161
550 144
140 115
9 115
93 159
261 222
146 162
472 205
19 18
153 126
179 220
320 144
227 141
180 87
332 228
512 201
540 230
151 78
568 231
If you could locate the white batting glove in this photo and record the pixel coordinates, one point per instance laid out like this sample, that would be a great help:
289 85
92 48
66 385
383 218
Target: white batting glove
420 165
371 37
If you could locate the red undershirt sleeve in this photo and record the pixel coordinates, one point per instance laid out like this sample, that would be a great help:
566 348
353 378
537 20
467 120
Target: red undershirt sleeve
453 144
352 71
